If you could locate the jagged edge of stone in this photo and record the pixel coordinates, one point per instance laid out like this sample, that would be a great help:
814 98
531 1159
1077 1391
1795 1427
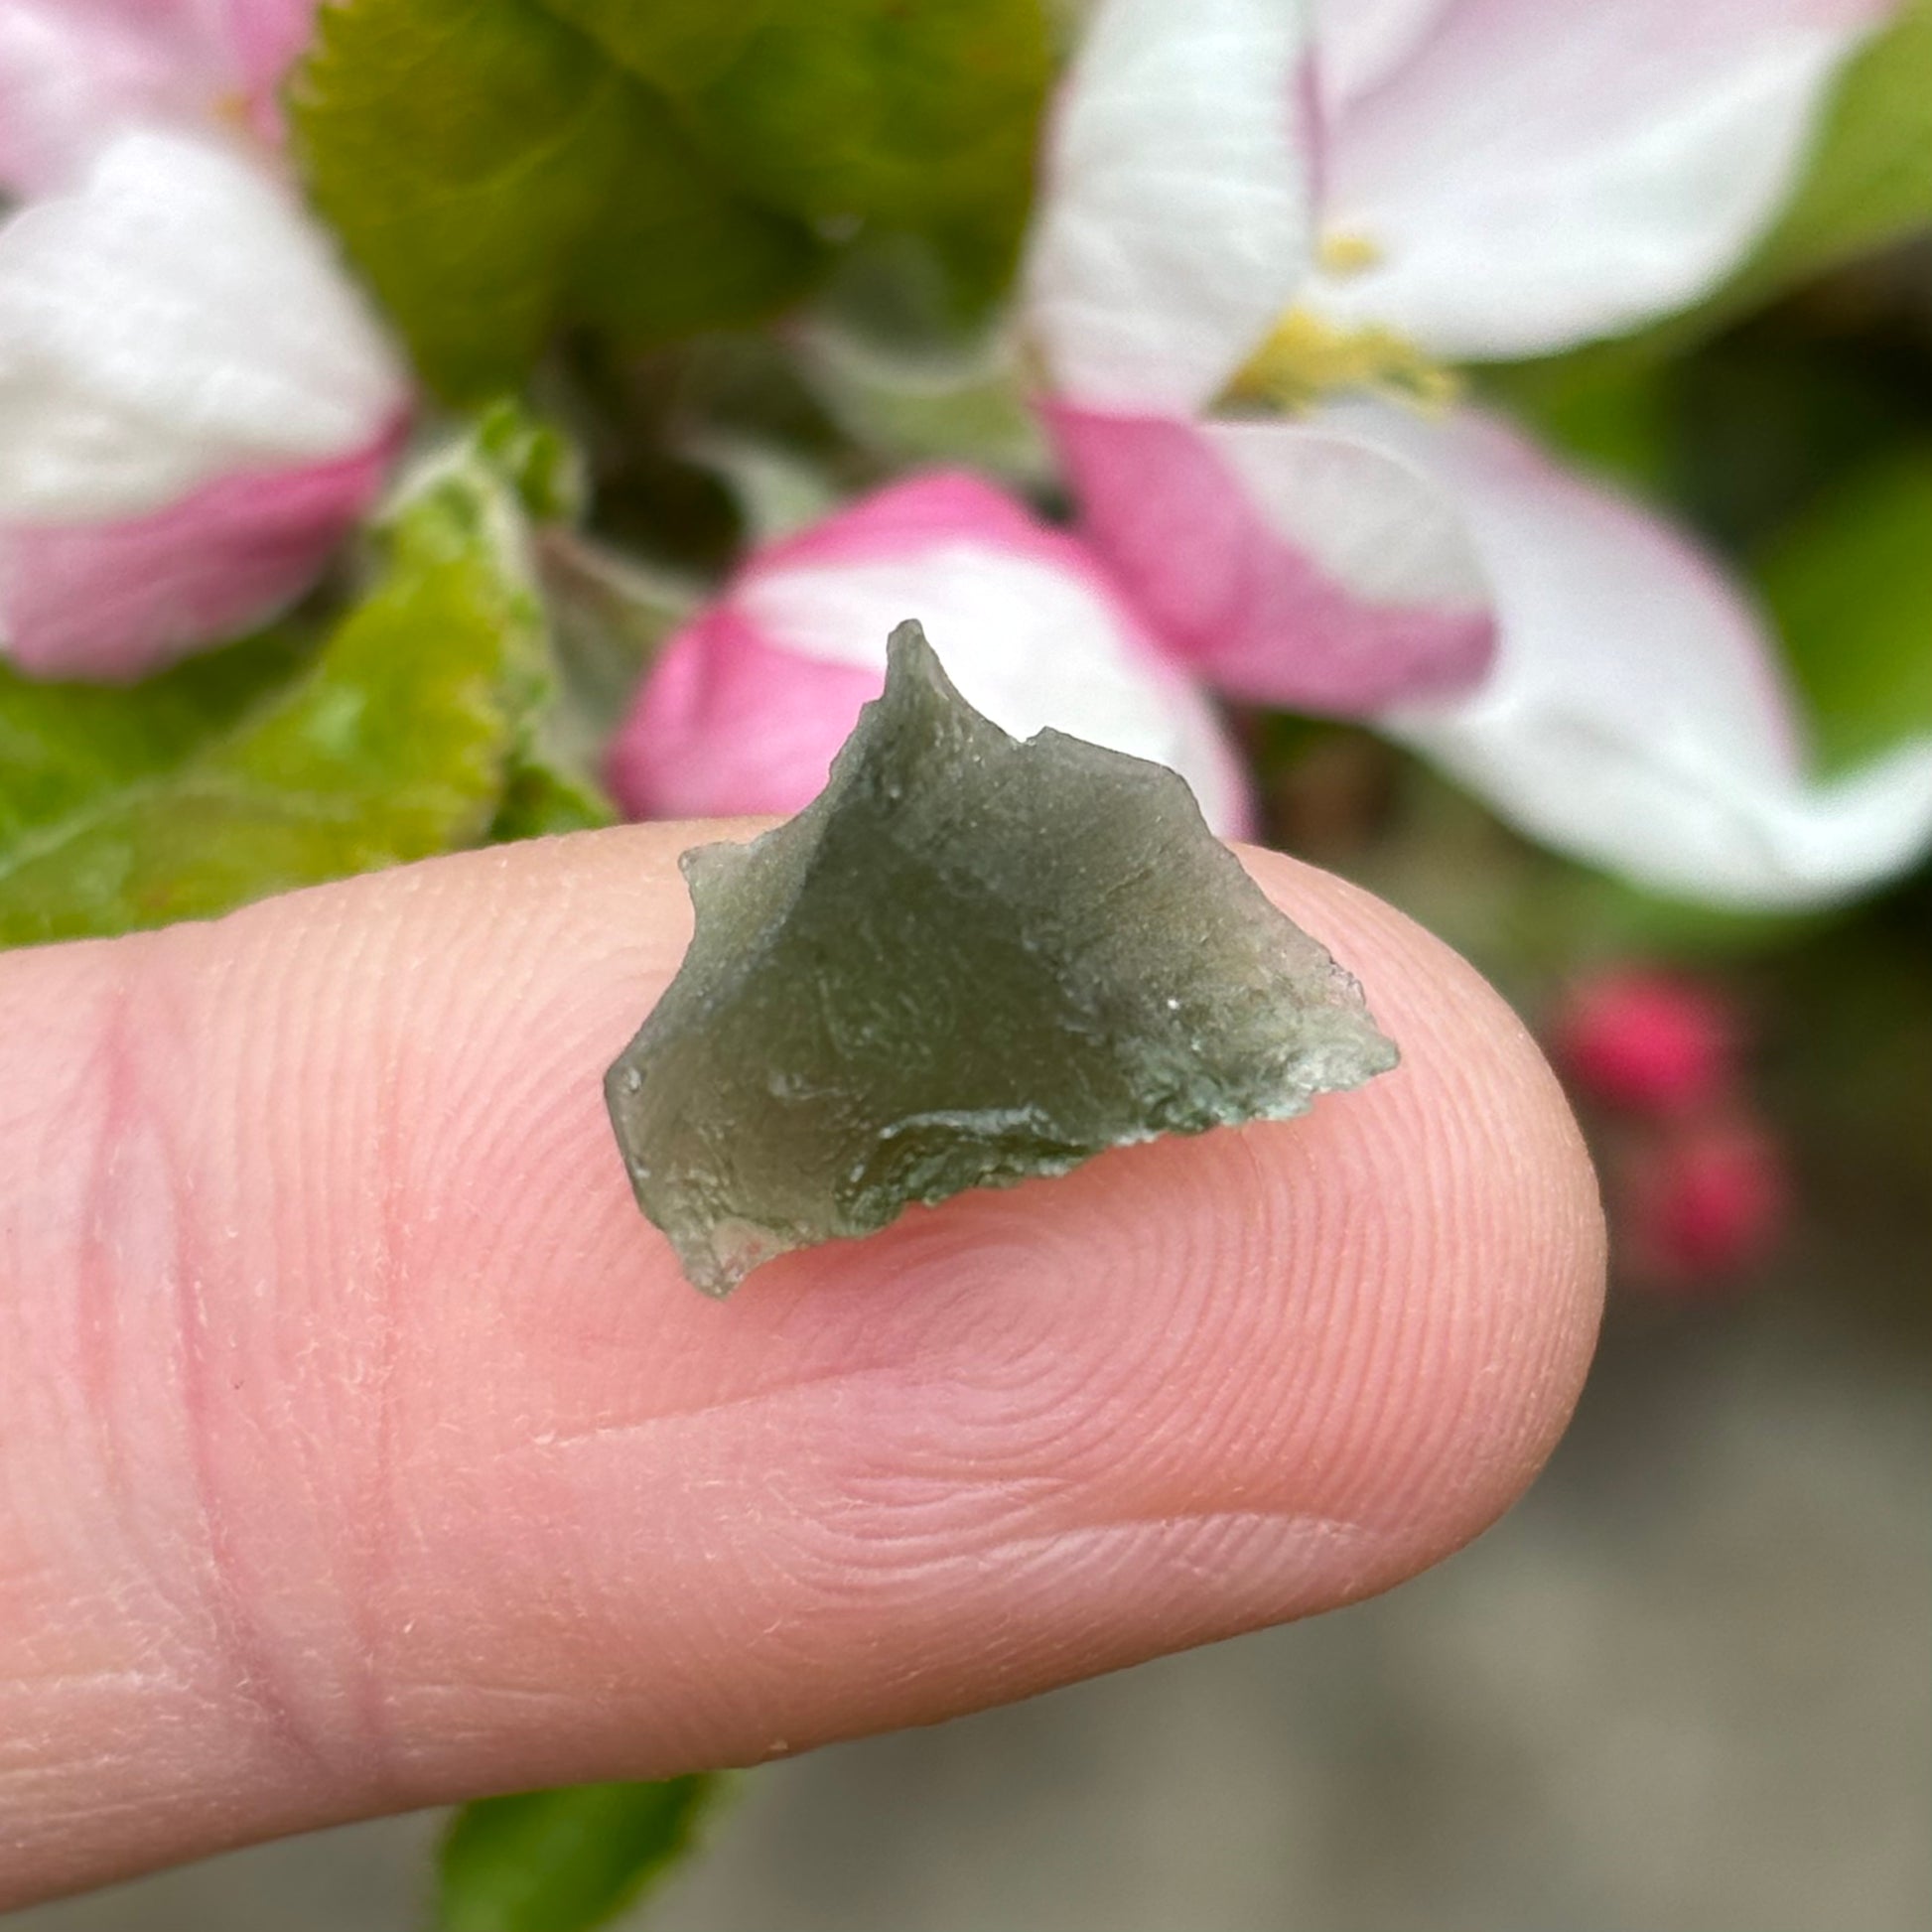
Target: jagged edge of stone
910 661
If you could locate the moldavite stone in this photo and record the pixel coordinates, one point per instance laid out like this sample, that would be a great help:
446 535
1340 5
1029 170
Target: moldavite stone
968 961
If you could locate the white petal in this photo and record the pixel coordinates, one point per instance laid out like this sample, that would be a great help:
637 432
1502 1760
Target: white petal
1027 643
1174 222
175 318
1360 43
1638 716
1539 174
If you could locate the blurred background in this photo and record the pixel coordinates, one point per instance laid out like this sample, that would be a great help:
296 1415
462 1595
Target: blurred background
1687 1685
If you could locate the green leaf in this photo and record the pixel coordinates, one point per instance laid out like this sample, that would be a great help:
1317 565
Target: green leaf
1611 415
1871 180
610 618
494 175
966 405
541 800
921 118
675 45
1849 586
564 1860
64 745
876 109
675 248
535 458
278 764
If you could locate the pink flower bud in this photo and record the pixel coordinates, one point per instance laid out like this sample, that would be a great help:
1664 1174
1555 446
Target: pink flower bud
266 38
75 73
745 709
199 407
118 599
1701 1201
1647 1043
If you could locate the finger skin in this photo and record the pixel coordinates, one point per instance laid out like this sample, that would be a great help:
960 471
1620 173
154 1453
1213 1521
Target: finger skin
361 1447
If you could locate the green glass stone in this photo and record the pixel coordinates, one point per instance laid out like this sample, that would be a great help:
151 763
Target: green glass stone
969 961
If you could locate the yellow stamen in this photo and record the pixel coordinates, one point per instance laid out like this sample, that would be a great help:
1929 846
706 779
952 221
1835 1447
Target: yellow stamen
233 110
1307 359
1342 253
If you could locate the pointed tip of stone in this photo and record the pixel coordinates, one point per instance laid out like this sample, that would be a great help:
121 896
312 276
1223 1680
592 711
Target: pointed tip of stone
916 674
911 661
905 640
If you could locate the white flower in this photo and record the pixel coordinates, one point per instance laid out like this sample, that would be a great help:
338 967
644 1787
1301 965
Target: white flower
1245 206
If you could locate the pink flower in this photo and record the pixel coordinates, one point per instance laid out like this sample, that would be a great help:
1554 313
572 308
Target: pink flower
1257 254
1646 1042
1694 1204
196 403
749 702
1695 1183
266 38
75 72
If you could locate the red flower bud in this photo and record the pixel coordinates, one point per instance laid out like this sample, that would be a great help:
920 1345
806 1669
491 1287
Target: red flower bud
1645 1042
1700 1201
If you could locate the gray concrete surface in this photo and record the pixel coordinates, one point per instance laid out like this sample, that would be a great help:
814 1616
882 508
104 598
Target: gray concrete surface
1686 1686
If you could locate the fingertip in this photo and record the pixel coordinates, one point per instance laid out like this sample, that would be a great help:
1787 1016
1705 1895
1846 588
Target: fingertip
456 1486
1476 1165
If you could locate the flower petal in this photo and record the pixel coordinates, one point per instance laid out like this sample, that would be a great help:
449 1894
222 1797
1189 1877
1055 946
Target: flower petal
115 600
1284 562
267 36
264 39
1537 174
74 71
1637 716
748 704
730 723
176 319
1360 43
1174 222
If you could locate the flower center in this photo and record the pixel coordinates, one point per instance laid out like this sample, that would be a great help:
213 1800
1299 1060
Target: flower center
1306 359
1343 252
234 112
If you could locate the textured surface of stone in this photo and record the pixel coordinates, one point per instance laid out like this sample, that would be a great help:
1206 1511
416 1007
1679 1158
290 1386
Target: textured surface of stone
971 960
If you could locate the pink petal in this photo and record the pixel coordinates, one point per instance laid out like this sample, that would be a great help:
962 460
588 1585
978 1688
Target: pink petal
729 724
911 517
1174 206
1537 174
73 72
265 38
115 600
748 703
1637 715
1284 562
1360 43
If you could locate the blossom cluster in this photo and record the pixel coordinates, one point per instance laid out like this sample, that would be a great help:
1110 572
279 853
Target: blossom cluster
1268 242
